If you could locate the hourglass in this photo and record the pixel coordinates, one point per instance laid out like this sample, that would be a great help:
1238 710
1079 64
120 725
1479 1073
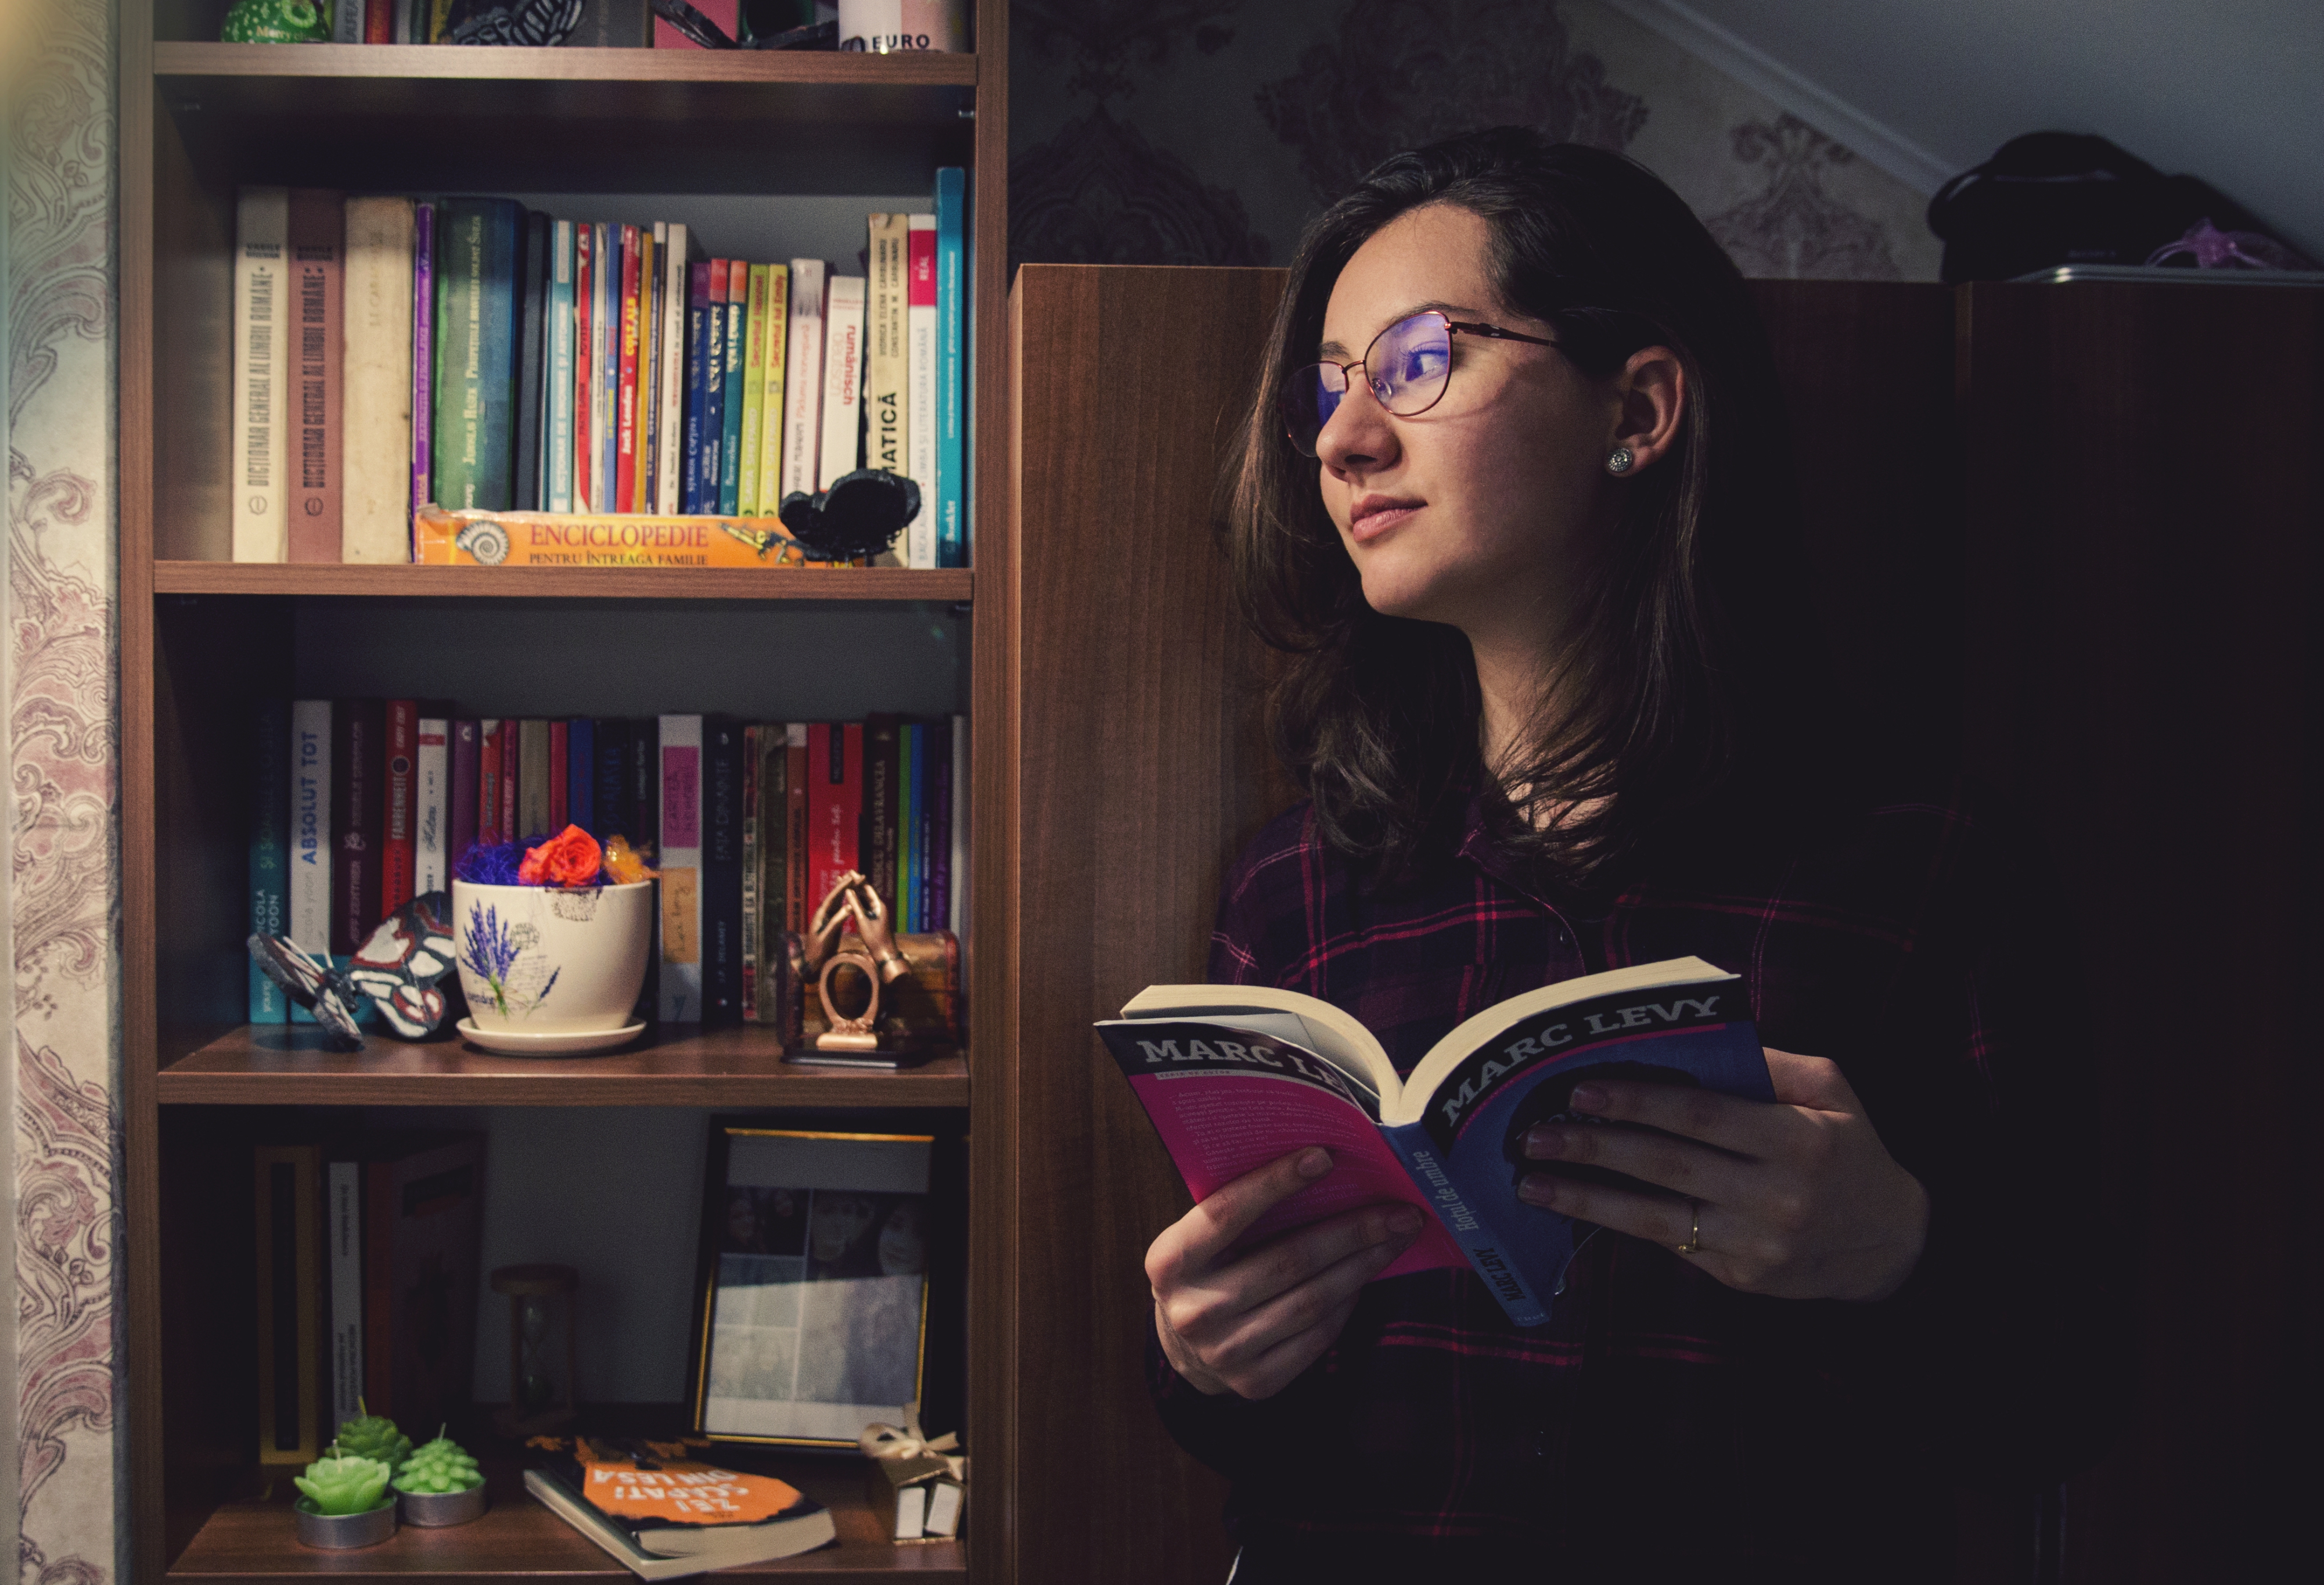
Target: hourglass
542 1349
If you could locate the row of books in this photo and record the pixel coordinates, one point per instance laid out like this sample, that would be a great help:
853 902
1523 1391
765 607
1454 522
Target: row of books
390 353
603 25
364 804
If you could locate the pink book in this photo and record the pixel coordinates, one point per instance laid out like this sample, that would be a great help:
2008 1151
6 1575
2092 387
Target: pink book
721 12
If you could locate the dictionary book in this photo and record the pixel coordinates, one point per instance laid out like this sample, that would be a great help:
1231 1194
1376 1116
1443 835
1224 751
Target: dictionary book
1236 1076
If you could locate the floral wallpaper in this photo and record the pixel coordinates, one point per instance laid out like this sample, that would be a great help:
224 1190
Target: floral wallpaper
1206 132
63 880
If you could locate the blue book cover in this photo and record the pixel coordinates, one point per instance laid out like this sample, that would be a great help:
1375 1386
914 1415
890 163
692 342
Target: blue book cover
610 800
697 381
270 849
714 385
497 351
559 494
952 363
729 445
1236 1076
581 773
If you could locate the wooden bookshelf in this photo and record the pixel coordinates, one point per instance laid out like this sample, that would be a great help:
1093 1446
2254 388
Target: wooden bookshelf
203 638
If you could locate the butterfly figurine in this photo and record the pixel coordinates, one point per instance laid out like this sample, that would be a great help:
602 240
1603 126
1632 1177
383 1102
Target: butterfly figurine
396 970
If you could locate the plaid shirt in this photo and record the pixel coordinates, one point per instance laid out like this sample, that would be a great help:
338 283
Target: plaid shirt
1659 1419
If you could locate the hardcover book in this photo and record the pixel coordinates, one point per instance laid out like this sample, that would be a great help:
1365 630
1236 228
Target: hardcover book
376 396
770 435
803 378
697 387
843 382
952 363
664 1516
682 870
399 853
533 781
586 417
561 367
261 297
920 384
269 848
670 444
1235 1076
581 773
460 802
722 871
358 814
887 360
476 325
730 411
754 391
835 804
625 392
431 779
319 230
529 471
423 355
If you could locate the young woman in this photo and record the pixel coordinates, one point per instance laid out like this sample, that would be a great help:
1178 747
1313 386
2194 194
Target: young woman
1514 497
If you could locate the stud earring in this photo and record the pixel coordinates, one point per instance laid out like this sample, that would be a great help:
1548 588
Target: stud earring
1619 463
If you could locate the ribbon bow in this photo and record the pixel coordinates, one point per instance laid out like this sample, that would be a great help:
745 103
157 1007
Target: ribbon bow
907 1456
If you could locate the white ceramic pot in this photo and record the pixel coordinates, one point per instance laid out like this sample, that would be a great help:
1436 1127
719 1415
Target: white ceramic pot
538 960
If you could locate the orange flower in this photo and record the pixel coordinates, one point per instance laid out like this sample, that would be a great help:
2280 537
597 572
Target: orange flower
570 858
624 866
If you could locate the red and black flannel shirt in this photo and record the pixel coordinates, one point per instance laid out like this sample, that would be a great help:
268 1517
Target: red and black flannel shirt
1660 1423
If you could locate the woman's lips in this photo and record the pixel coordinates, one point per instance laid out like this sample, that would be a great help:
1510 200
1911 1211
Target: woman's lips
1373 522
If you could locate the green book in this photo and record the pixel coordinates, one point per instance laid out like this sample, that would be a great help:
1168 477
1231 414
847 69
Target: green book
476 309
730 450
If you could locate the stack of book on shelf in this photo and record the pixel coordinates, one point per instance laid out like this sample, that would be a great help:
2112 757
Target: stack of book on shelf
363 804
392 352
603 25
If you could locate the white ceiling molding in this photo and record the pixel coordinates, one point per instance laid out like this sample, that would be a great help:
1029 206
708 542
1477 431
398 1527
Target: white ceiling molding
1866 137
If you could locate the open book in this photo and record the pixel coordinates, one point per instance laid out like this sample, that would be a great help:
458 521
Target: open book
1235 1076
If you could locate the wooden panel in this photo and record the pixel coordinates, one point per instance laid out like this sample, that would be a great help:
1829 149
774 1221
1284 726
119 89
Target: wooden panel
217 577
2146 493
188 401
1142 773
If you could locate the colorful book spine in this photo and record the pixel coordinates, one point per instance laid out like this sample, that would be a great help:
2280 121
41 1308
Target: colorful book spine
652 242
843 382
770 803
802 377
492 744
697 381
752 826
670 455
431 806
952 366
262 307
581 773
312 852
317 351
722 871
730 410
907 815
533 781
625 395
375 395
399 853
609 366
611 737
460 798
358 813
423 355
269 848
560 775
886 357
876 842
755 392
920 383
953 880
797 837
585 363
714 385
528 474
770 435
680 999
834 774
559 497
476 355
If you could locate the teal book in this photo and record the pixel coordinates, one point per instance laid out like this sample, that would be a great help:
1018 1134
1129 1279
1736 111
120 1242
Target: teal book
270 849
952 365
558 497
730 448
476 323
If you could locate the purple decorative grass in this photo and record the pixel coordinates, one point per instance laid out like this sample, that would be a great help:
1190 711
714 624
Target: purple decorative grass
494 863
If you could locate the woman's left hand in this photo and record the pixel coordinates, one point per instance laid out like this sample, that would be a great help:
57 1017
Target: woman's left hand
1794 1198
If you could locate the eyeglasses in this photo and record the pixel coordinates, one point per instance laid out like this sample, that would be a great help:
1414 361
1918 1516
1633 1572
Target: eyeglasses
1406 368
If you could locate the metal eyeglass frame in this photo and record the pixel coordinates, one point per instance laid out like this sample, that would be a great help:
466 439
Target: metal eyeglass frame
1451 327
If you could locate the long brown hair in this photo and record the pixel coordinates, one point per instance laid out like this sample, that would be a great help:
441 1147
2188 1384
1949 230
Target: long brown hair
1694 668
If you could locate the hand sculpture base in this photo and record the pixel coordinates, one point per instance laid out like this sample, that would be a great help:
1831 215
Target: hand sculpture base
847 1034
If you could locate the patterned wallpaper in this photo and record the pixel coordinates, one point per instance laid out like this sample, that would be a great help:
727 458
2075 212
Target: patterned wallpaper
63 876
1206 132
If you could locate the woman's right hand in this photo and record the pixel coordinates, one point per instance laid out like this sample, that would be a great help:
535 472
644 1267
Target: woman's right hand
1248 1324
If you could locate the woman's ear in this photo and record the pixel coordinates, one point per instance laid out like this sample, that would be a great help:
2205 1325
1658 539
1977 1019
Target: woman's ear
1652 389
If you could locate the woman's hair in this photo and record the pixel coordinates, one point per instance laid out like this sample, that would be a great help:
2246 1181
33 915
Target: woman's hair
1694 656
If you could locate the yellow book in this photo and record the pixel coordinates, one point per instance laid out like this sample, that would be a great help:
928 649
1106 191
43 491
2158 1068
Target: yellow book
770 435
755 380
474 538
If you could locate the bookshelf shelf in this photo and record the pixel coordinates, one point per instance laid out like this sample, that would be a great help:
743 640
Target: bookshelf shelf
286 1066
584 583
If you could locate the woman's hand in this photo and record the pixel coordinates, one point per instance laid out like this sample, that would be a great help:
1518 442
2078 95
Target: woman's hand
1797 1198
1249 1322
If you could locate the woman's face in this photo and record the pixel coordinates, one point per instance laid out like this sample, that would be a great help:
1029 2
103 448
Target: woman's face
1480 511
837 1221
903 1252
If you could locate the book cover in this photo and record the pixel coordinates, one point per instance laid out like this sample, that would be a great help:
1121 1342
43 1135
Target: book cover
262 318
531 366
431 807
843 381
652 242
956 874
921 386
1235 1076
288 1330
423 353
697 383
403 21
645 814
714 385
561 366
722 12
492 745
803 378
510 811
682 870
319 230
730 444
584 357
900 906
752 826
560 778
375 389
346 20
646 1509
769 800
834 776
886 359
476 325
876 838
270 847
533 781
379 22
581 773
462 824
722 871
611 24
423 1248
625 398
343 1222
358 808
398 852
769 436
797 837
608 367
943 746
670 457
755 392
952 368
613 794
533 538
911 849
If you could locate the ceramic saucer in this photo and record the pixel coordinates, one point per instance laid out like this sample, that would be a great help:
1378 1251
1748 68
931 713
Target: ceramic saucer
527 1043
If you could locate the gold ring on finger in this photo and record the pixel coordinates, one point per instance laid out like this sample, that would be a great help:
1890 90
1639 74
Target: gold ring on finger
1693 1245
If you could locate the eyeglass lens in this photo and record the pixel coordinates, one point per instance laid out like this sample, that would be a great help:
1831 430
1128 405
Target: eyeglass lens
1406 366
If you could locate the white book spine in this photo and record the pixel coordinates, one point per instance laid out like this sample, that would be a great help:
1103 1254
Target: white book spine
311 827
433 780
347 22
649 436
261 495
342 1190
802 377
605 301
375 401
669 465
843 379
956 901
682 870
920 395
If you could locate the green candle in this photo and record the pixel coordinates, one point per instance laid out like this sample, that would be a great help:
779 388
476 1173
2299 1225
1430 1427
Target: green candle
346 1483
374 1436
439 1466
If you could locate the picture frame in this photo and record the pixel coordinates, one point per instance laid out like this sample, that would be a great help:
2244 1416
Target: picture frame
822 1242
